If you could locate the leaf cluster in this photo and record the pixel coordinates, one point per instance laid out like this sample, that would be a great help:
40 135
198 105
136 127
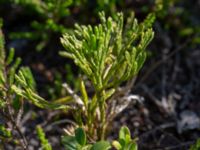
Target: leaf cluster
125 142
16 85
18 82
79 141
110 52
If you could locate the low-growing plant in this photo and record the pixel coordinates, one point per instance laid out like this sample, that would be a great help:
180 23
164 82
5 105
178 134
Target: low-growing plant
13 90
109 54
125 142
79 141
8 109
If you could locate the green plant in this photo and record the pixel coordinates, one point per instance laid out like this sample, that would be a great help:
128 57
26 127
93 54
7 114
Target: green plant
14 88
10 105
44 142
79 141
195 146
109 6
125 142
4 132
108 54
162 7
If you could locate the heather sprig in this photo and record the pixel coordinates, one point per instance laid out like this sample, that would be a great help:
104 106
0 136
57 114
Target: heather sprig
108 54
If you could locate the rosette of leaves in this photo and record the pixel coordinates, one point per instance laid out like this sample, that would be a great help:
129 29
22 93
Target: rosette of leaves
108 54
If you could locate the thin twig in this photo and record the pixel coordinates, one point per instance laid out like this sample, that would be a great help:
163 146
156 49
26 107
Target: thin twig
157 64
24 142
73 94
160 127
174 147
20 113
50 126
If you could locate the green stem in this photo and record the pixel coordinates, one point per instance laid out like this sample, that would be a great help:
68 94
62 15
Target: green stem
102 127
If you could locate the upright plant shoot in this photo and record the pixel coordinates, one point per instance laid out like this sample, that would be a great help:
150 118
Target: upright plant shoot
108 54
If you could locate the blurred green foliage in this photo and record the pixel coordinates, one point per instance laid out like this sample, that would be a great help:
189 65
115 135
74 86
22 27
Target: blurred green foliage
51 12
45 145
195 146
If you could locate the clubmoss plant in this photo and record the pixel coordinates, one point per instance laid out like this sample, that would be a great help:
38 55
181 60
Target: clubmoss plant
109 54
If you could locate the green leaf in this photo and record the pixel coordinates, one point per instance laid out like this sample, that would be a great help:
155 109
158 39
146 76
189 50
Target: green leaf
149 20
69 142
12 71
66 54
26 72
44 142
101 145
10 56
2 78
26 90
36 99
84 93
2 103
80 136
124 134
5 132
117 145
17 90
2 50
109 93
133 146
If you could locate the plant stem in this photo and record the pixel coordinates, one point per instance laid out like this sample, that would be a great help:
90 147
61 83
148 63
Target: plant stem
23 141
102 127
